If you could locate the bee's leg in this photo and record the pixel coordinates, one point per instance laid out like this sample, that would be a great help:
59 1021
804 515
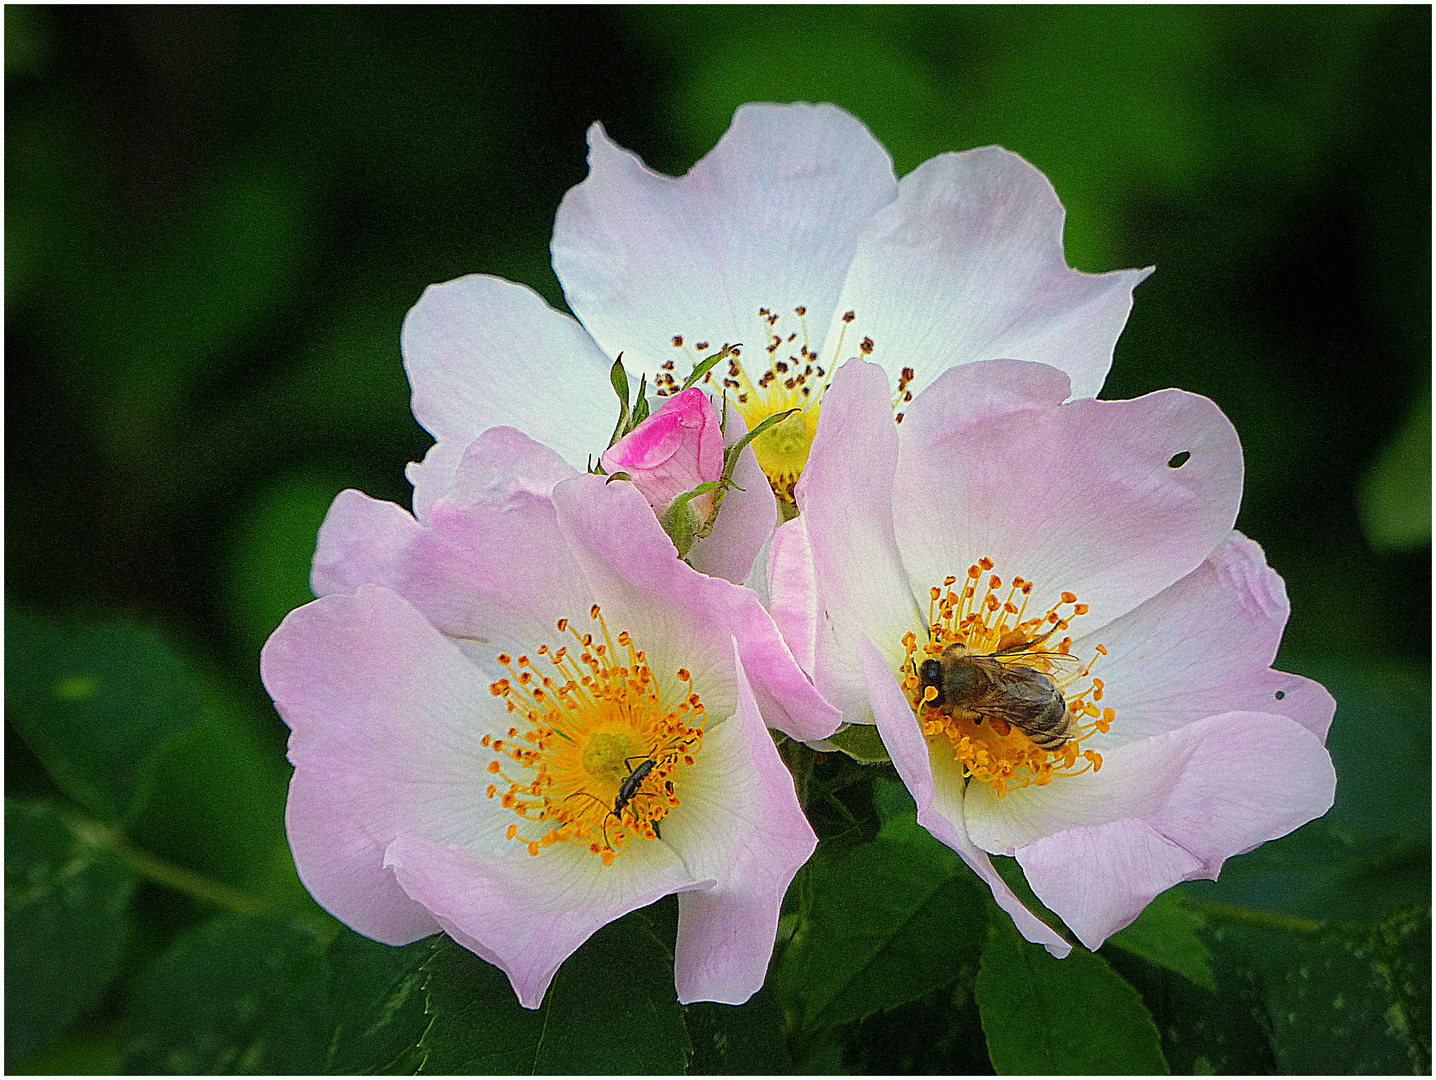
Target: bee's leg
1002 727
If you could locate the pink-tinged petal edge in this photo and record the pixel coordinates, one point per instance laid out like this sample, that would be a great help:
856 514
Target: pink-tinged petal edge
527 914
503 463
361 541
482 352
1204 646
341 863
845 494
745 522
629 560
366 541
1080 497
377 702
904 741
792 590
726 934
1244 778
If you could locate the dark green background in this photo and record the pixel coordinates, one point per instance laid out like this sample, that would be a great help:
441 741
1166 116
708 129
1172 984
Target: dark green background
216 219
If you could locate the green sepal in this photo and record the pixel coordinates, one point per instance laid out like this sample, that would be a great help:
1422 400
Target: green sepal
681 523
618 377
680 520
730 456
618 476
861 742
640 407
707 364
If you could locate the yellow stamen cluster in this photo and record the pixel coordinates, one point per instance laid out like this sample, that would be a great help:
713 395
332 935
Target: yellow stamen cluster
795 378
598 757
994 628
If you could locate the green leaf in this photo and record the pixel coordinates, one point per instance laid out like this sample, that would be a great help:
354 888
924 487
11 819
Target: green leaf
939 1034
94 703
1396 492
85 1050
378 1002
1165 934
890 921
861 742
738 1040
1075 1016
260 994
66 895
1225 1031
242 994
892 800
1403 943
1357 1001
610 1009
217 803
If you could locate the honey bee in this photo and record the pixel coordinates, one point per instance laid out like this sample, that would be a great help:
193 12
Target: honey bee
1005 695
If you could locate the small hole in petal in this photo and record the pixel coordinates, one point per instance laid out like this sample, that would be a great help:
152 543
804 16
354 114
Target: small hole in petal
1280 694
1176 461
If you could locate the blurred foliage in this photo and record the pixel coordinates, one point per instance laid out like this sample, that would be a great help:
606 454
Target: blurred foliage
216 219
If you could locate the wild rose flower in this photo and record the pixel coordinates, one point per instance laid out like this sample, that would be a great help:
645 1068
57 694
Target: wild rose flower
1064 645
526 716
793 239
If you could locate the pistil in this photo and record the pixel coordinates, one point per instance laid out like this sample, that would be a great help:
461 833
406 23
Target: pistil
598 757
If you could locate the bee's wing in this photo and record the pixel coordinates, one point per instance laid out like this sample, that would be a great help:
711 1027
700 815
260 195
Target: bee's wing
1013 694
1053 664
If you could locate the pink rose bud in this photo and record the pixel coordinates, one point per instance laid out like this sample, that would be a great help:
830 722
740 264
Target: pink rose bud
677 448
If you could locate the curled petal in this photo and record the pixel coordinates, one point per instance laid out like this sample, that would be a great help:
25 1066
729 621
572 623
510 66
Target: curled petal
743 826
1222 786
940 816
846 499
792 590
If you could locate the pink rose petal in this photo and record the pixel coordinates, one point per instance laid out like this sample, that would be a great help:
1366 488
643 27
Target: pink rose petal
744 827
904 741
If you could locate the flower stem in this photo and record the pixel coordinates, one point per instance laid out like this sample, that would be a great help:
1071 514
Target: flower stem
188 882
1269 920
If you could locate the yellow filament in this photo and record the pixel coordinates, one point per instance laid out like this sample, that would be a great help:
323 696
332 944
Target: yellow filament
599 756
987 622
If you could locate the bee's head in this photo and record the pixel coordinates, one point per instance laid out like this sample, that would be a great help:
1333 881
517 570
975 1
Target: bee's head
930 674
